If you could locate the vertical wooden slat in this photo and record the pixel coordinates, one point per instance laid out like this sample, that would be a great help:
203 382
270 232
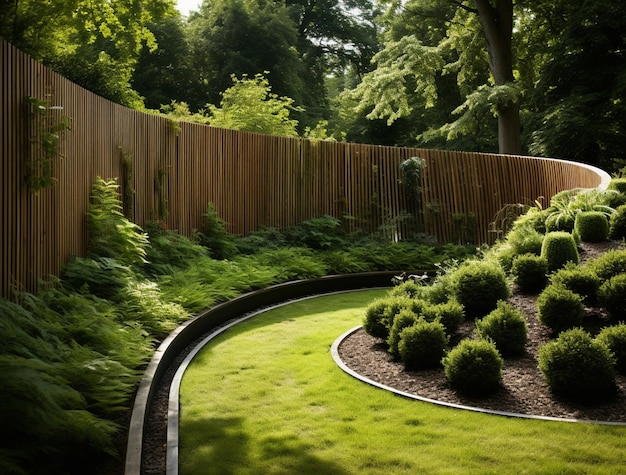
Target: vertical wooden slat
252 179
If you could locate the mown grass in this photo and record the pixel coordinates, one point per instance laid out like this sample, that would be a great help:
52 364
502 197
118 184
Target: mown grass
266 397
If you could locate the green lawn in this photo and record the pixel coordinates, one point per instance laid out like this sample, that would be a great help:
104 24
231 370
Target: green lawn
265 397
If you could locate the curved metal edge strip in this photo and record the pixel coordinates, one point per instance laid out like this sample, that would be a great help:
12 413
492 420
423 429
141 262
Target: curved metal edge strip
216 316
337 358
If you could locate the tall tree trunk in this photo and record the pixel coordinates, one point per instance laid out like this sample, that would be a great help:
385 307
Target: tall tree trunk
497 23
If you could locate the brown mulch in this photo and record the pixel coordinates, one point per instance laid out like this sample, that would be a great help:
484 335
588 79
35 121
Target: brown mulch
524 390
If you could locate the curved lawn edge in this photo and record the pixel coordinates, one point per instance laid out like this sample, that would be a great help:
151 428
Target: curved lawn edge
337 358
213 318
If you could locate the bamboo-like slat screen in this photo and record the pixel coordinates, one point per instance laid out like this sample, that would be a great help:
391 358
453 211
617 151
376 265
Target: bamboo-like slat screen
253 180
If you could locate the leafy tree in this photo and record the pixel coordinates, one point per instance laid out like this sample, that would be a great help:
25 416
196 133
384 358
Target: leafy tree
408 68
95 44
250 105
577 105
165 74
243 37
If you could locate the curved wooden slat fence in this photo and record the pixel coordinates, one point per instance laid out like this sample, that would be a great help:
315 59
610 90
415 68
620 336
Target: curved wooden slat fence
254 180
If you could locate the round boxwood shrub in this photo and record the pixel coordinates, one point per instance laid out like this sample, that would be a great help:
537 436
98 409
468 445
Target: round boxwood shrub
592 226
559 248
474 367
559 308
609 264
408 288
404 319
422 345
578 367
612 296
617 184
617 225
614 338
375 323
478 285
449 314
530 272
380 314
506 328
580 280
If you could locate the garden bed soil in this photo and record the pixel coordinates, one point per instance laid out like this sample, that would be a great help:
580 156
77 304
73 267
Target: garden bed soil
523 390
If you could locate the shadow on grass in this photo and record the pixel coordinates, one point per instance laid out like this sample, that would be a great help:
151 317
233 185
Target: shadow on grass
222 446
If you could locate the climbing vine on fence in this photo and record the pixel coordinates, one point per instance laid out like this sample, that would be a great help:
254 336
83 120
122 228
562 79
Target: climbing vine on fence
46 127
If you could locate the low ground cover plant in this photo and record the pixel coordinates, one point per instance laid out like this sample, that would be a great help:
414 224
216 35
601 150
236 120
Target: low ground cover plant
72 355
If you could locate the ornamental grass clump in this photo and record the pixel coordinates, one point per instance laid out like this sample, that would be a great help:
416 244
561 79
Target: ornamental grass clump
422 345
614 338
530 272
506 328
559 308
577 367
612 296
478 285
474 367
592 226
558 249
579 279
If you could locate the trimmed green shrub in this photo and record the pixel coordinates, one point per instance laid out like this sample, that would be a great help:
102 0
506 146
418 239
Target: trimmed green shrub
375 322
614 338
506 328
612 296
474 367
618 184
592 226
449 314
408 288
404 319
560 308
478 286
578 367
615 199
422 345
610 264
559 248
580 280
617 226
380 314
530 272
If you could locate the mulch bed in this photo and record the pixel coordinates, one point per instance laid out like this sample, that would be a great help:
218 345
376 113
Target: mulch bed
524 389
